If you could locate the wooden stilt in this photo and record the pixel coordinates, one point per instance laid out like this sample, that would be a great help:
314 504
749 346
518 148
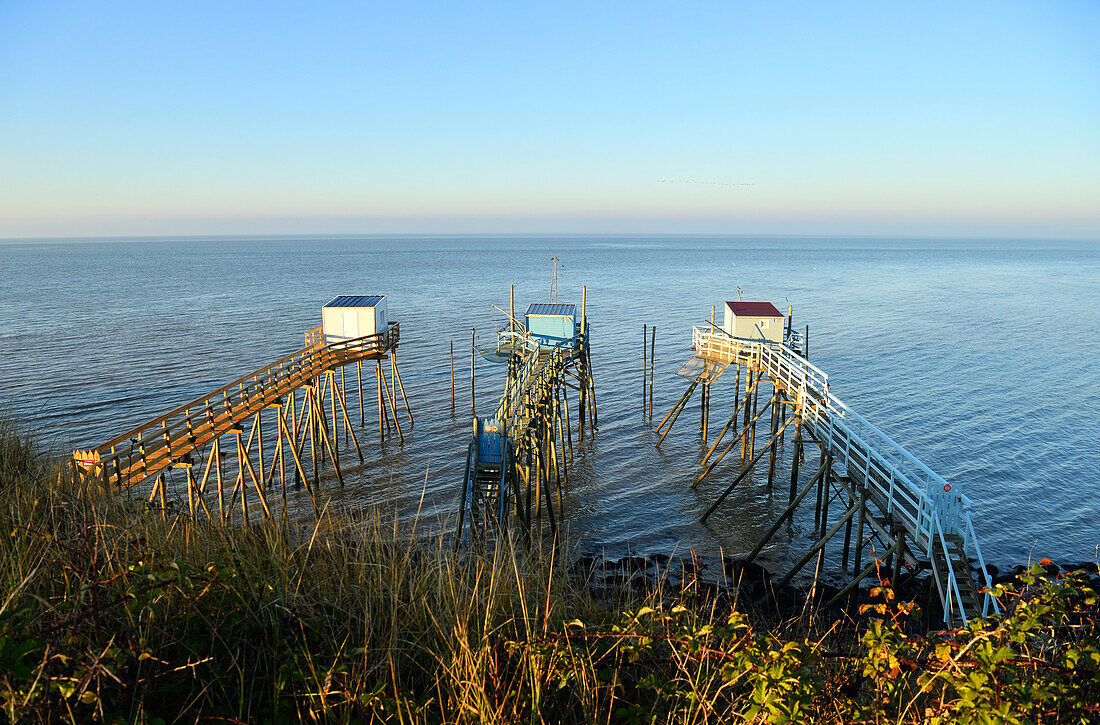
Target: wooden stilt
652 344
786 514
750 388
848 534
773 429
797 457
731 423
675 412
381 412
473 349
347 425
359 385
737 391
816 547
859 527
738 480
732 444
452 375
401 387
392 407
327 440
298 467
645 365
854 584
240 478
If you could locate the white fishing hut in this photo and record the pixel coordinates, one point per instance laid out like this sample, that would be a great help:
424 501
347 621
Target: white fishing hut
753 321
350 316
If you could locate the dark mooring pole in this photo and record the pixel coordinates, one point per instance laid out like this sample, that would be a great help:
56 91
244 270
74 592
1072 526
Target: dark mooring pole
652 343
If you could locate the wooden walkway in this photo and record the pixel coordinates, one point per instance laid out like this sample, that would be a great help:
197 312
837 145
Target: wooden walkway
522 453
175 439
919 513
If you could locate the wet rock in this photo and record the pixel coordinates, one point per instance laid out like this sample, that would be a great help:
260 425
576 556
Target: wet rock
688 566
1088 567
633 563
743 571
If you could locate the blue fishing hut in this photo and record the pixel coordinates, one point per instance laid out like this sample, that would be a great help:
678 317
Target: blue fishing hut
552 323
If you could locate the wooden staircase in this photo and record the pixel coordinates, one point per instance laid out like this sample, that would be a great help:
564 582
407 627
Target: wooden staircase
963 577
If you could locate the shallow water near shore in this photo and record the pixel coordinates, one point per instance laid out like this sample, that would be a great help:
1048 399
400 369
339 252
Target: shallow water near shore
977 356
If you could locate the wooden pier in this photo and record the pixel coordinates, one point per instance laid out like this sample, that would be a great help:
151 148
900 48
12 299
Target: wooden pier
305 398
912 515
519 458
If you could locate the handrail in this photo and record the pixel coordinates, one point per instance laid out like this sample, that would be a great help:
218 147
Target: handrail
912 491
204 417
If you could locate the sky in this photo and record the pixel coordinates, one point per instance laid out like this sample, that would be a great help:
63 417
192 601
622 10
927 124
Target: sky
916 118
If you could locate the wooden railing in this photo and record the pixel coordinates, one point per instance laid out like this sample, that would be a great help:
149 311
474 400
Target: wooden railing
155 445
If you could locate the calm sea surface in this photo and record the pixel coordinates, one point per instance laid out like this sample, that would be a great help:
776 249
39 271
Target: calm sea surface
979 356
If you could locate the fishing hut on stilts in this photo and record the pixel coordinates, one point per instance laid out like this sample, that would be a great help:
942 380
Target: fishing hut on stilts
288 420
904 515
519 457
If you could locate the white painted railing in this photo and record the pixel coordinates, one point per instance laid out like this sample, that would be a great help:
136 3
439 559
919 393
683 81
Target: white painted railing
907 489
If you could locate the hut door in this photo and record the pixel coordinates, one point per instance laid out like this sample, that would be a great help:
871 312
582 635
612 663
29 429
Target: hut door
349 324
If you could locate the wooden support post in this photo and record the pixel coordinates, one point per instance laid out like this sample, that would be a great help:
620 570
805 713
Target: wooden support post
392 407
816 547
347 425
343 388
217 453
755 416
737 480
675 412
827 487
256 481
190 490
774 449
568 428
452 375
652 344
737 392
786 514
332 404
314 440
731 423
280 453
240 477
359 383
806 344
298 466
593 416
401 387
854 584
327 440
848 535
708 467
898 558
750 388
262 483
381 411
473 347
645 369
859 527
797 457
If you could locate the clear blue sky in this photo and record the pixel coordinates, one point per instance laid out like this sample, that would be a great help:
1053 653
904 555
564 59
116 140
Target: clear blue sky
734 117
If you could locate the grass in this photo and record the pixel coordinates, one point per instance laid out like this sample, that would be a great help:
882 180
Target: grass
109 613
